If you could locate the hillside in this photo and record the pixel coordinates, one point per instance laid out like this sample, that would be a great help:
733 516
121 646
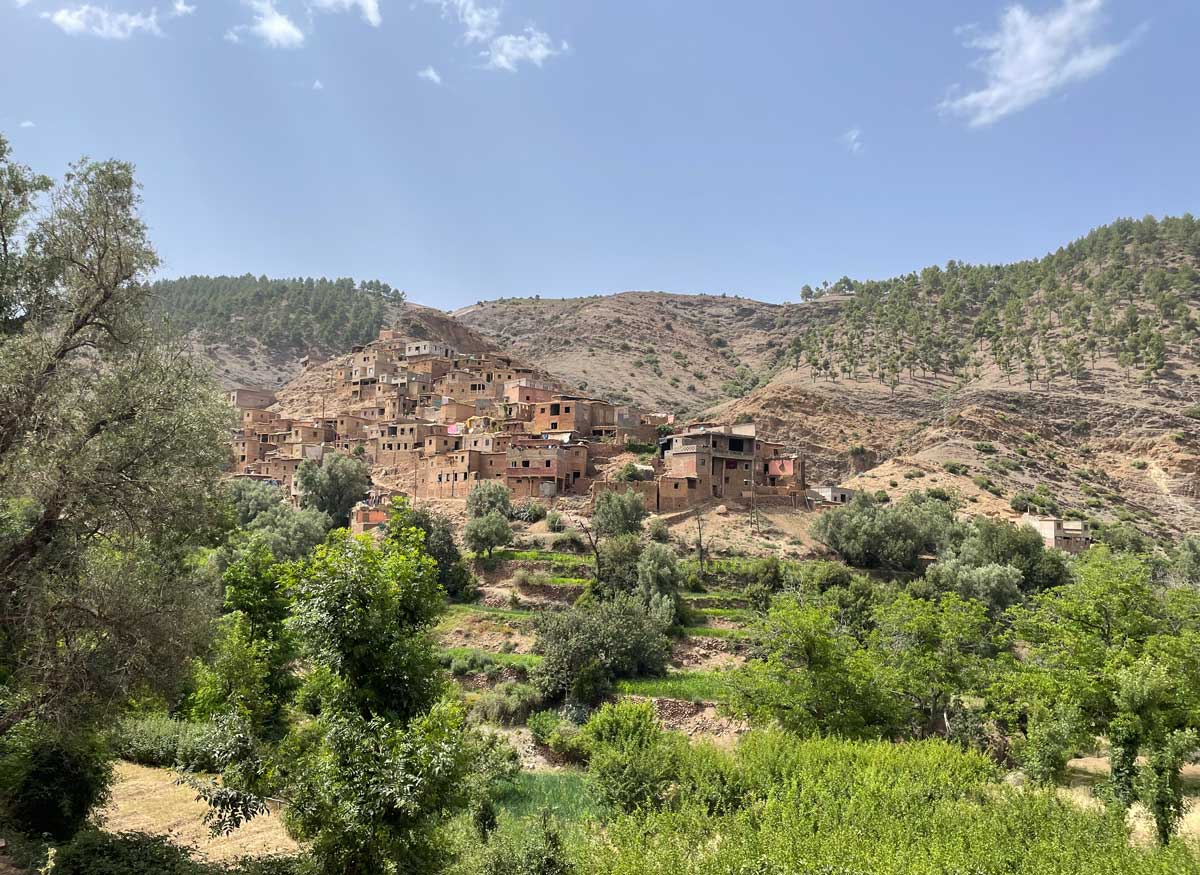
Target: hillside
255 330
1077 372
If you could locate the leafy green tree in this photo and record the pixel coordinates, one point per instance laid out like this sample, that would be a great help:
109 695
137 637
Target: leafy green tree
659 578
111 443
587 647
484 534
618 513
1126 651
813 678
453 574
334 486
386 757
490 497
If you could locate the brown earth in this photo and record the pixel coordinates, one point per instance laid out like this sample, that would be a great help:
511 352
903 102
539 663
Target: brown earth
147 800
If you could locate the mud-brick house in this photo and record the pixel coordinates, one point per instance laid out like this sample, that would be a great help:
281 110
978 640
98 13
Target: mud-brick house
247 399
528 391
573 414
1070 536
833 494
454 474
247 450
416 349
282 470
462 385
721 459
544 468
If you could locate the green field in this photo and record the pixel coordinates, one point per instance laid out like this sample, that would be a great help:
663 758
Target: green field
694 686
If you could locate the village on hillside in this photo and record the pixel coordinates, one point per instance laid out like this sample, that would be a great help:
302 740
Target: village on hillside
434 423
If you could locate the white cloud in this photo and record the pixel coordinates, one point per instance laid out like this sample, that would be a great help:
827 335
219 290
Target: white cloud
27 124
480 23
318 85
181 8
852 140
430 75
368 8
270 25
23 3
507 51
102 22
1033 56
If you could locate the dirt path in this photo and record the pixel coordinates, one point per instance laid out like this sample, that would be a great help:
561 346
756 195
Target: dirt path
146 800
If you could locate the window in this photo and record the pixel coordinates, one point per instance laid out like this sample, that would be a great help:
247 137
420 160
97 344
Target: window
553 426
554 408
567 409
547 463
524 463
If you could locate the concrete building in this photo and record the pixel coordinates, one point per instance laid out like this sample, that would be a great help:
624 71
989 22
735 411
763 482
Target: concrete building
1070 536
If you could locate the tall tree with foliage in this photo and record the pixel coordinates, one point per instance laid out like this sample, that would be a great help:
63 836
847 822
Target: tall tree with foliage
334 486
111 441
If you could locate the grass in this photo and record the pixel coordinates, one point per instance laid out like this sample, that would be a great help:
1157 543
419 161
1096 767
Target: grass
716 632
694 686
736 615
568 581
718 596
568 794
455 614
566 560
528 660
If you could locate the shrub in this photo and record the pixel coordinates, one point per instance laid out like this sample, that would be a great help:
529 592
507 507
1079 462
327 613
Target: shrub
955 467
588 646
530 511
628 473
1035 502
569 542
657 530
870 535
619 513
50 783
985 447
631 759
128 853
510 702
159 740
555 521
489 497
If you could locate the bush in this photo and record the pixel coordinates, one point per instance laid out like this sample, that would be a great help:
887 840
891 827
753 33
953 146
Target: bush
509 703
529 511
555 521
453 574
631 759
569 542
618 513
588 646
955 467
870 535
657 530
159 740
489 497
127 853
50 783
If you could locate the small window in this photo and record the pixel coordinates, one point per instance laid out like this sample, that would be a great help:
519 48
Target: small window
547 463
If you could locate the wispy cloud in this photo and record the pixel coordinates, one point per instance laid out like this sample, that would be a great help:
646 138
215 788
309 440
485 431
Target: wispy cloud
102 22
480 22
270 25
181 8
430 75
318 85
27 124
368 8
852 140
1031 57
481 25
508 51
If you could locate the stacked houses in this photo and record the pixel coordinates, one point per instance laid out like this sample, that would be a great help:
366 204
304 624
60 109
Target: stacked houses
448 420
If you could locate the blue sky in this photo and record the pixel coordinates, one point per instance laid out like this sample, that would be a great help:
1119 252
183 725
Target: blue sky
471 149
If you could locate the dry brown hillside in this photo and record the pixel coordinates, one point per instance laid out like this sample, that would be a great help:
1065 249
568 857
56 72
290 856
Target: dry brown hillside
663 351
